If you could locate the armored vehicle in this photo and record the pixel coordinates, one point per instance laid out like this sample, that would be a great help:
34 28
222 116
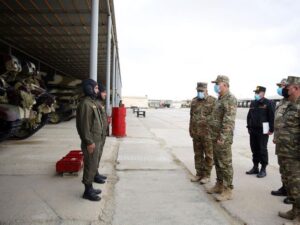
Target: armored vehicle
67 92
24 102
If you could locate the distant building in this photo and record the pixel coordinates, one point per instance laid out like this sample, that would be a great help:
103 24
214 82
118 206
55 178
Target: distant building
135 101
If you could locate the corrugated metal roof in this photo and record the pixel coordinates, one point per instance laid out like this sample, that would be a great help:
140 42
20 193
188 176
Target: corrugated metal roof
56 32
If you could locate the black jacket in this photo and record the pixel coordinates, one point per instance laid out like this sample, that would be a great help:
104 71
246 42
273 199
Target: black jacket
259 112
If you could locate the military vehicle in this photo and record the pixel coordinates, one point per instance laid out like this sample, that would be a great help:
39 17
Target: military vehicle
24 103
67 92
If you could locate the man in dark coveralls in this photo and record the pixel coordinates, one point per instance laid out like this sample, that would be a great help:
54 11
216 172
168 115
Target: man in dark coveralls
99 178
89 126
260 124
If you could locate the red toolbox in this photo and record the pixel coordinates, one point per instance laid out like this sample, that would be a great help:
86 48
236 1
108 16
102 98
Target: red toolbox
72 162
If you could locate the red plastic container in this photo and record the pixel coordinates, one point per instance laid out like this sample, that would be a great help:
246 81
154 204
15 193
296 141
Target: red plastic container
72 162
69 165
118 121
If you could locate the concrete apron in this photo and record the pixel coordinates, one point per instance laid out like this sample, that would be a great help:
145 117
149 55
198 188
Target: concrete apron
154 189
252 201
32 193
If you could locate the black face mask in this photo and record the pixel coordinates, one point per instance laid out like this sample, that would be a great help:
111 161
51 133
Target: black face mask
285 92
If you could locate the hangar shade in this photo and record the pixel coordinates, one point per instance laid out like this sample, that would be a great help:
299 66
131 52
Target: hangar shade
56 32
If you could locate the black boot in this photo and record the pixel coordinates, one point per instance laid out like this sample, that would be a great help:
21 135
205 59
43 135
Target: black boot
96 191
101 176
254 169
90 194
98 179
262 173
280 192
289 200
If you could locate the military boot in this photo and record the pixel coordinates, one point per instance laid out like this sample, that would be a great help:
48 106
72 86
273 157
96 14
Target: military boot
225 195
296 221
254 169
262 173
98 179
96 191
280 192
218 188
89 193
101 176
289 200
290 215
205 180
196 178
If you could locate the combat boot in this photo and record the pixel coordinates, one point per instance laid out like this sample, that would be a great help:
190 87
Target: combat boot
290 215
225 195
280 192
98 179
101 176
204 180
296 221
96 191
254 169
262 173
196 178
89 193
218 188
289 200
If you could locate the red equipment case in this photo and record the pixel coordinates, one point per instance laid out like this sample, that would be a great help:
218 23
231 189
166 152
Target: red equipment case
72 162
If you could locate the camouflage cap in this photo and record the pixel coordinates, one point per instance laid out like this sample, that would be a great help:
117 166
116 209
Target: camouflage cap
282 82
201 86
221 78
293 80
260 89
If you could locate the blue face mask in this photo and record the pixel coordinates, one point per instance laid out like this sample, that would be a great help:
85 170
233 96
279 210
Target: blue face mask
257 97
279 91
217 88
200 95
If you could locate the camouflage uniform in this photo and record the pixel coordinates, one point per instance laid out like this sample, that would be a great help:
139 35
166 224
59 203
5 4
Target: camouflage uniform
280 109
222 130
199 128
288 141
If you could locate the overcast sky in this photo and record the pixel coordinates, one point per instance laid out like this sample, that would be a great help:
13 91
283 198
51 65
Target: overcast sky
167 46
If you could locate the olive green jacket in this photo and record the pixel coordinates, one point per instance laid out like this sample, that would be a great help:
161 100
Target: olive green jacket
89 122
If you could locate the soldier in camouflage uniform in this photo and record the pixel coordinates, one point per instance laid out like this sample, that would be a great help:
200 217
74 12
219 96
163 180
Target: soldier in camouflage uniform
280 109
288 142
201 109
223 122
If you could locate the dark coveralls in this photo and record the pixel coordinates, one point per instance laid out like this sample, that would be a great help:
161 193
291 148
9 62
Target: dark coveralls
260 111
89 125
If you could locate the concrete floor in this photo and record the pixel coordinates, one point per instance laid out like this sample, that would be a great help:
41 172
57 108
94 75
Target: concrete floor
150 184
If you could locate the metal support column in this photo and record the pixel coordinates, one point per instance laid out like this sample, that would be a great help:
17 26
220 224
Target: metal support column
108 62
114 77
94 40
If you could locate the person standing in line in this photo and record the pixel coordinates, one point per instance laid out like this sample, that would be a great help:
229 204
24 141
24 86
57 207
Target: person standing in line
288 141
99 178
260 124
201 109
223 123
89 126
280 109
